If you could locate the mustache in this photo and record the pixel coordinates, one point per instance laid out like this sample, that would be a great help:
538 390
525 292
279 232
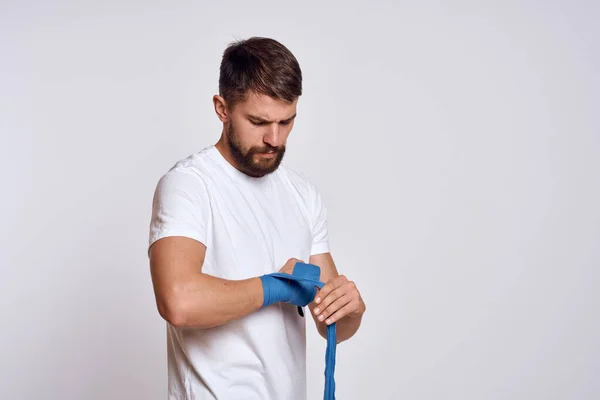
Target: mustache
268 149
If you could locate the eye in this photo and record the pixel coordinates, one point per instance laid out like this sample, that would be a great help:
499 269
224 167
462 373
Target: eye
258 123
285 122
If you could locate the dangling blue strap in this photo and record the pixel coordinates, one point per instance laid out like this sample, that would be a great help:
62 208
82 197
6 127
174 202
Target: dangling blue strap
330 363
299 289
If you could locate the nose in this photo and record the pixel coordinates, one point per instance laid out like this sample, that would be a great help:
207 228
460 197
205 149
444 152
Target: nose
272 136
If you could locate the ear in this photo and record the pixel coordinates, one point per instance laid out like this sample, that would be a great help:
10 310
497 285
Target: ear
221 108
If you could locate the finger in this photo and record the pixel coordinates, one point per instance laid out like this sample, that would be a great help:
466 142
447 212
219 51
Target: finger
347 289
342 312
345 286
326 300
338 304
329 286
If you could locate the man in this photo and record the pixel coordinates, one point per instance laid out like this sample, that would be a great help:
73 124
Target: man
229 214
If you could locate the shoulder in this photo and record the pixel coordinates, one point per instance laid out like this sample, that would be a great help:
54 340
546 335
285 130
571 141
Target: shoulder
198 163
186 174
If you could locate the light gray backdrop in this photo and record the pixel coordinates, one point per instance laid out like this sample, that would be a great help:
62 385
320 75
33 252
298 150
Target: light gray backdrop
455 143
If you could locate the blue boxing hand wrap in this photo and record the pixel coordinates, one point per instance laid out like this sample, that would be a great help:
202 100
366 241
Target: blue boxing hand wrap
300 289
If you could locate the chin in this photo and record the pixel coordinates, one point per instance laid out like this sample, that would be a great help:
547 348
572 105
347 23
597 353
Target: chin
262 171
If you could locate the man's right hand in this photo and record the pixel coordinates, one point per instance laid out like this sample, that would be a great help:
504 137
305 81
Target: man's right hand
288 267
290 290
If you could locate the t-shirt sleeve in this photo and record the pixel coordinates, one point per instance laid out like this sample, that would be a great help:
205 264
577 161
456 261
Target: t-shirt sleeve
320 234
180 207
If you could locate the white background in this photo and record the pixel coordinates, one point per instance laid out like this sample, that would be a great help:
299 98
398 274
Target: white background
456 145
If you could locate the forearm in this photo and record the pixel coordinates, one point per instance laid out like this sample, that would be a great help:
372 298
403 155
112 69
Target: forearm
345 328
206 301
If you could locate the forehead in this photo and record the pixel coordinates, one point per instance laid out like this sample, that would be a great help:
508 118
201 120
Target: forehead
266 107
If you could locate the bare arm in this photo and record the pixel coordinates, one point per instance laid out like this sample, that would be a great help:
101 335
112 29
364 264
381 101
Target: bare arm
349 317
187 297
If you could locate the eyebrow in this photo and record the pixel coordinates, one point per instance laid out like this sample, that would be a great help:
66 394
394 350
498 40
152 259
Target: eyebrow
259 119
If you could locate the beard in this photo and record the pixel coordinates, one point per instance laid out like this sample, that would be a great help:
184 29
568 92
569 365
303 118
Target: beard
248 161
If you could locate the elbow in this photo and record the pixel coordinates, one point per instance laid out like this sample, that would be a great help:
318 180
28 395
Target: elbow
172 312
178 314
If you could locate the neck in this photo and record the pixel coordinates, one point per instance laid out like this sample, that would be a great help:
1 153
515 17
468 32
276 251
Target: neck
223 147
225 151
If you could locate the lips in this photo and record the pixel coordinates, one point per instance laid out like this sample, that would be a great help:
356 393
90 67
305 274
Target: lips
269 155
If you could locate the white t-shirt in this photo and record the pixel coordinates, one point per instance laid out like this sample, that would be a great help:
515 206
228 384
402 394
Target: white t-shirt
250 227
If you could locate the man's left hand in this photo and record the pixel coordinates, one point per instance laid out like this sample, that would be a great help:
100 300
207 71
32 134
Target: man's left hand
337 299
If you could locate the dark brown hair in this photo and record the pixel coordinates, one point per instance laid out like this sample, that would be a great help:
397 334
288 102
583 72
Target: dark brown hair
261 65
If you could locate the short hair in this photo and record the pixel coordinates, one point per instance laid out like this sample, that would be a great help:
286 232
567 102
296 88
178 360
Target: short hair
261 65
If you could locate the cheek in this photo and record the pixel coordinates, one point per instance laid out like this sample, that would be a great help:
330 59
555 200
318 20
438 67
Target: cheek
246 133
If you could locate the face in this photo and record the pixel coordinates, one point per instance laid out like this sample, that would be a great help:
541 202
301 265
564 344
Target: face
257 130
